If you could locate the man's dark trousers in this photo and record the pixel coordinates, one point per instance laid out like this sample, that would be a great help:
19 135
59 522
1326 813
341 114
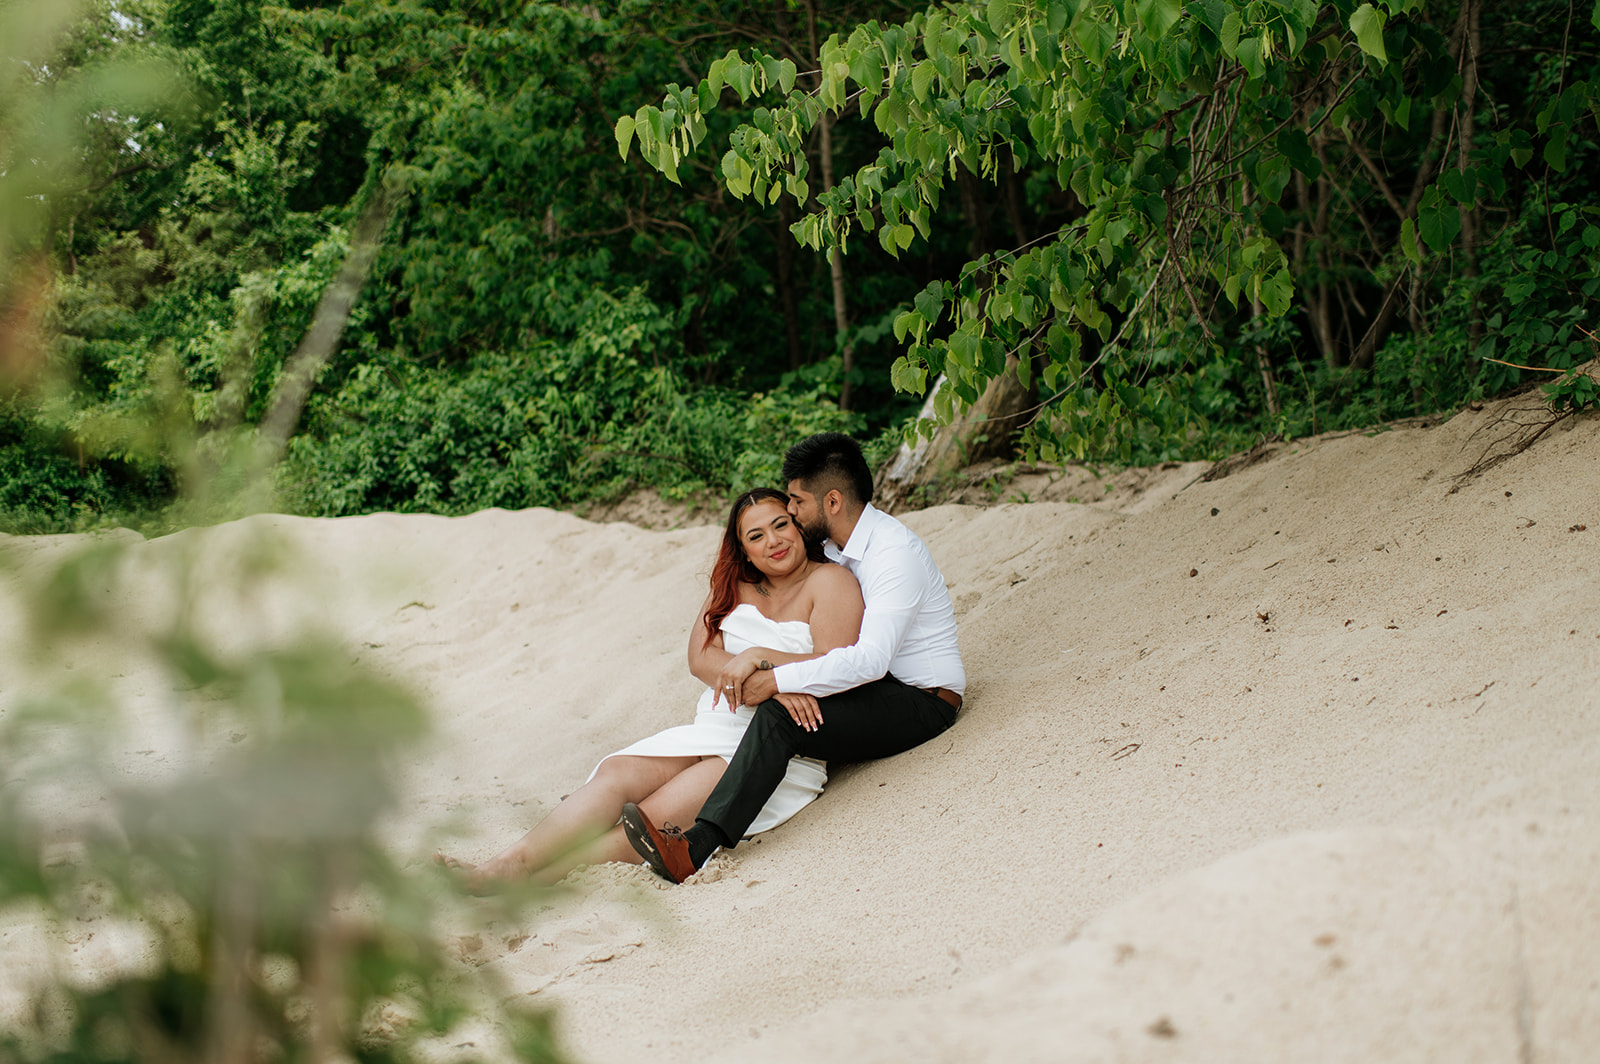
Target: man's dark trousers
878 719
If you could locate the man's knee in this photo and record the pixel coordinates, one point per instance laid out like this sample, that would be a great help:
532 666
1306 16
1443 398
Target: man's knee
773 720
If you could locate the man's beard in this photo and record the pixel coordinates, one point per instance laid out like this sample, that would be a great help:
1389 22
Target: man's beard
814 533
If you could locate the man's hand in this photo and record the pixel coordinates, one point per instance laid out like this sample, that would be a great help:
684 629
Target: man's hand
803 709
758 687
735 674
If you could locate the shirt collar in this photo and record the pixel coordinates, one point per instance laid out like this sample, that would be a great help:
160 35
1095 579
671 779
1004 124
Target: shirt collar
861 535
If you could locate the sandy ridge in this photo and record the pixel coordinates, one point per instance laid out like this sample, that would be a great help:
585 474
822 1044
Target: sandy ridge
1296 764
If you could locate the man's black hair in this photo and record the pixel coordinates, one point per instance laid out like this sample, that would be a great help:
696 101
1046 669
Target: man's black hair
829 460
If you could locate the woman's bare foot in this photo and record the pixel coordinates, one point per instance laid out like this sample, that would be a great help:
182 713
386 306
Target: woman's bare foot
479 880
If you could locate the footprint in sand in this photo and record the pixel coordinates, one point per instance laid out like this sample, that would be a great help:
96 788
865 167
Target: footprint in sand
554 954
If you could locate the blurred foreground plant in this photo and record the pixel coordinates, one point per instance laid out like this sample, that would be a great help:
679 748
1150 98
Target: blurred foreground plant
245 908
192 770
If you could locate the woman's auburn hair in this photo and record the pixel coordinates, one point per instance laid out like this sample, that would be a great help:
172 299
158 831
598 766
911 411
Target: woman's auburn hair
733 565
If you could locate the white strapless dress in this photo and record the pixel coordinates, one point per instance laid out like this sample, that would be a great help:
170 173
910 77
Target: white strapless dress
716 731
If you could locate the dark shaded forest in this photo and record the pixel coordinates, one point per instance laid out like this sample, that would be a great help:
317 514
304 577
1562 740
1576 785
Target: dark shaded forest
1175 229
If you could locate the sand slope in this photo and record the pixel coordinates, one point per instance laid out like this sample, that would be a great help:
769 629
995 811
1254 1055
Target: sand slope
1295 764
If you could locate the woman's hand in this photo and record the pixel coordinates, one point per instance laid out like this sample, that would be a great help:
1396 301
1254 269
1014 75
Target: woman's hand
804 710
731 678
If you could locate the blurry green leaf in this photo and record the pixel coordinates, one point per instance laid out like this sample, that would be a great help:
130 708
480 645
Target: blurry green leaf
1461 184
1095 37
904 323
1231 26
1296 147
742 76
1439 221
1408 241
908 376
1159 16
772 71
1249 56
998 15
1366 22
1277 293
1555 148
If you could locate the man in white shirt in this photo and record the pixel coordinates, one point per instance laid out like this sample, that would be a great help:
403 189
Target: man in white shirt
897 686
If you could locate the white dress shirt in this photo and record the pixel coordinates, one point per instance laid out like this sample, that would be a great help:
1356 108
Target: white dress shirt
909 628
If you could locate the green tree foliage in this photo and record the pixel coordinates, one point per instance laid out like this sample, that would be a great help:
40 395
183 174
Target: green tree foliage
1185 223
500 116
195 269
1245 175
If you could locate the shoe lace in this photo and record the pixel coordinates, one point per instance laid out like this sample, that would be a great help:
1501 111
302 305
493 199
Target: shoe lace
671 830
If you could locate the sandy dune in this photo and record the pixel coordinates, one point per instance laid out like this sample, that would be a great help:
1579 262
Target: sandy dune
1298 764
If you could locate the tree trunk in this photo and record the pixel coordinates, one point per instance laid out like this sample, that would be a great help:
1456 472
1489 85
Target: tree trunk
787 297
977 218
841 326
1269 381
1321 300
841 316
1269 384
1471 11
1013 196
1365 351
1432 159
983 431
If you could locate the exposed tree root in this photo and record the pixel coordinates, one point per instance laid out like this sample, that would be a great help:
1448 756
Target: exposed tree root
1244 460
1522 425
1519 425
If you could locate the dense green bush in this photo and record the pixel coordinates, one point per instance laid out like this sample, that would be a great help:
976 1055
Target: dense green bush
552 425
44 492
1529 304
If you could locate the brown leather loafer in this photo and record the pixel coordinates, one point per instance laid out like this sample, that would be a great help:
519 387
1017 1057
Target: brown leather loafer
665 848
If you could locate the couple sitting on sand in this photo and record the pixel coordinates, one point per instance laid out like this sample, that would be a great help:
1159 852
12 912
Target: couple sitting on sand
827 616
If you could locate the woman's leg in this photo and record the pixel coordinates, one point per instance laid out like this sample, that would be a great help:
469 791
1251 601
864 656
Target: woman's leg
675 801
583 816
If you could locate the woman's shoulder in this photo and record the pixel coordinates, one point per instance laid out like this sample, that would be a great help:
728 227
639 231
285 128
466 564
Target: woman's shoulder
831 576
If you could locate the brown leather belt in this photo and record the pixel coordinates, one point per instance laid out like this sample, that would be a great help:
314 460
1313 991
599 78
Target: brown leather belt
944 694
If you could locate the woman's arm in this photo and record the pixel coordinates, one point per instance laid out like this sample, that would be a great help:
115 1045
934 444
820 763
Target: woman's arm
706 657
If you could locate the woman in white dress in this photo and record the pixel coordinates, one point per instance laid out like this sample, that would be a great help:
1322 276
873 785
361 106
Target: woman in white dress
773 599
